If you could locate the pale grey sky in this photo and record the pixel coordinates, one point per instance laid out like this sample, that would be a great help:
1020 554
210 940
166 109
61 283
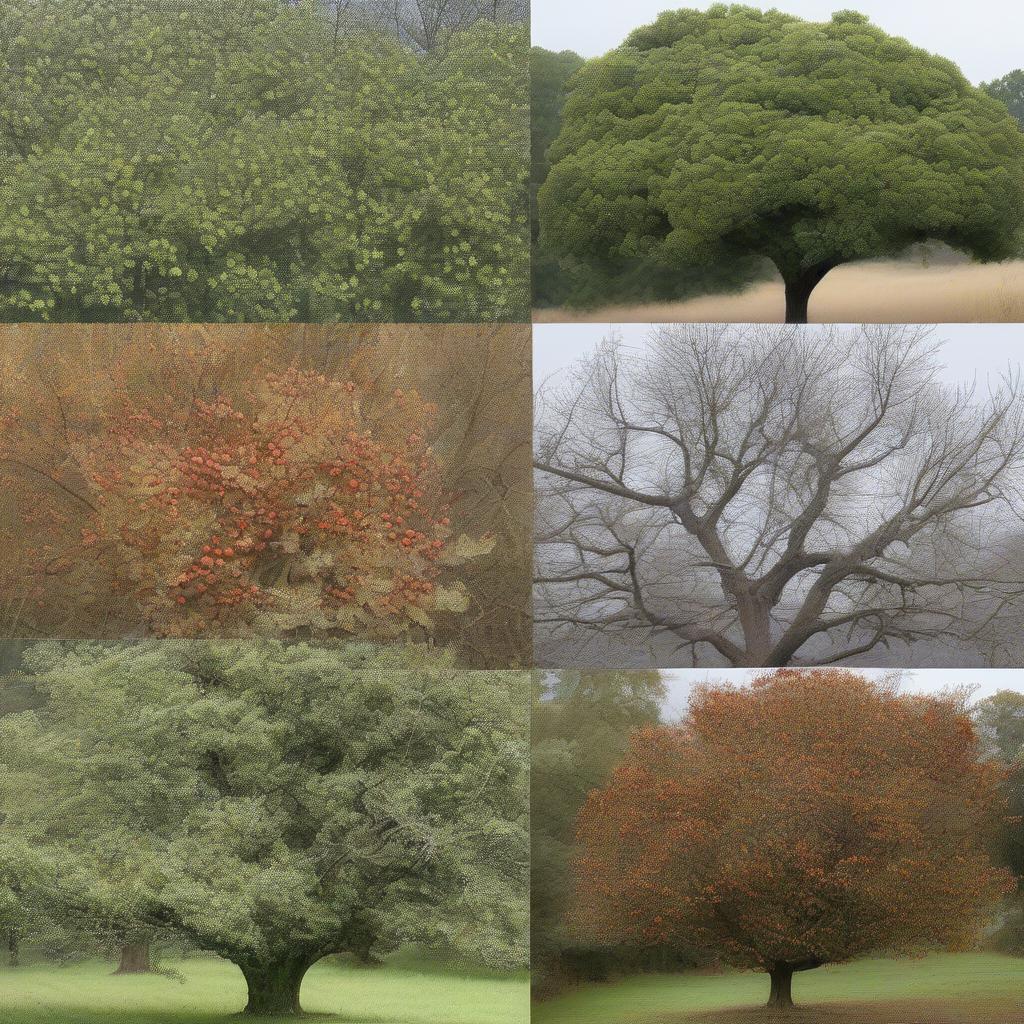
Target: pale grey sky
970 349
986 38
984 682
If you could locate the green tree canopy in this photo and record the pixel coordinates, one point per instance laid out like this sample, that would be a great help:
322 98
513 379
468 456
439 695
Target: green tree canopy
1000 723
1009 90
561 279
244 160
999 720
714 134
550 73
580 728
273 804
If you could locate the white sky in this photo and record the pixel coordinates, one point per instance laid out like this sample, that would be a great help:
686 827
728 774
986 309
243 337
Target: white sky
984 682
981 350
986 37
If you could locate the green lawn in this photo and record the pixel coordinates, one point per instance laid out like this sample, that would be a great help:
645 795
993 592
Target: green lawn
212 991
946 989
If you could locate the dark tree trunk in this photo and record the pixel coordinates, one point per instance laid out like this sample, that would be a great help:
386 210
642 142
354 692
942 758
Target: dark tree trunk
782 986
366 958
135 958
274 987
799 285
13 947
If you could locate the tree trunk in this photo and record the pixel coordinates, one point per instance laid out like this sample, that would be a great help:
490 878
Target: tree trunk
13 947
756 623
274 988
799 285
782 986
135 958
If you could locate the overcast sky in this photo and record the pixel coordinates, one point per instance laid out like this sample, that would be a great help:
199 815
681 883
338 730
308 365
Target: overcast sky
984 682
986 38
981 350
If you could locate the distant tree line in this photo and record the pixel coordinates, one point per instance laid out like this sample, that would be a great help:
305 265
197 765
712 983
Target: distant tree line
423 24
1010 90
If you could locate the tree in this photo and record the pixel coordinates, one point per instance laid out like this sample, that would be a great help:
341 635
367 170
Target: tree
711 496
427 25
999 720
275 804
718 134
550 74
50 932
177 492
246 161
1009 90
580 728
808 819
561 280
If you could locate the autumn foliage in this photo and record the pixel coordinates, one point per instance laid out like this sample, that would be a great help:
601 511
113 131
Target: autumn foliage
807 819
219 494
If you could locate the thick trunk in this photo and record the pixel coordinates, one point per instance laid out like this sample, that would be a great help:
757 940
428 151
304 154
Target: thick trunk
799 285
756 624
782 986
274 988
13 947
135 958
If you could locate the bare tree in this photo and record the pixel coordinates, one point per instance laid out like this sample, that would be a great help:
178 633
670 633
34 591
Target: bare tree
424 25
772 496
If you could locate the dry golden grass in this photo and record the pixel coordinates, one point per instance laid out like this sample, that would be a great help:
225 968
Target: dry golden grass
881 292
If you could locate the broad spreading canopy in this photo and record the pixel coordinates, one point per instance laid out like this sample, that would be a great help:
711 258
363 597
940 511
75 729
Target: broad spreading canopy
274 803
734 130
808 819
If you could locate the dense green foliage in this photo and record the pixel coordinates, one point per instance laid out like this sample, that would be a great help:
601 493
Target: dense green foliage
249 160
560 279
272 804
580 728
1009 90
1000 723
549 82
718 134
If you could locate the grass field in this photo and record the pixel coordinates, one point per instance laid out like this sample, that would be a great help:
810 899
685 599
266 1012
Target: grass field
212 992
882 292
946 989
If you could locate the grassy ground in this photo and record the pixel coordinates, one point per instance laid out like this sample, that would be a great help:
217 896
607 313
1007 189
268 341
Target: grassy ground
948 989
213 991
882 292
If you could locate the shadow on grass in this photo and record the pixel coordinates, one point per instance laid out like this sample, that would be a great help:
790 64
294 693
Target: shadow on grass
911 1011
340 1018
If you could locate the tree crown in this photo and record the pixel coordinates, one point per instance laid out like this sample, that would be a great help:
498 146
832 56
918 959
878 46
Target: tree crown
199 489
271 801
732 130
710 493
809 818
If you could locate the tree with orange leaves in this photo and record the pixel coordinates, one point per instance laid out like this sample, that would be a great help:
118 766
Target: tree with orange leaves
276 502
810 818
